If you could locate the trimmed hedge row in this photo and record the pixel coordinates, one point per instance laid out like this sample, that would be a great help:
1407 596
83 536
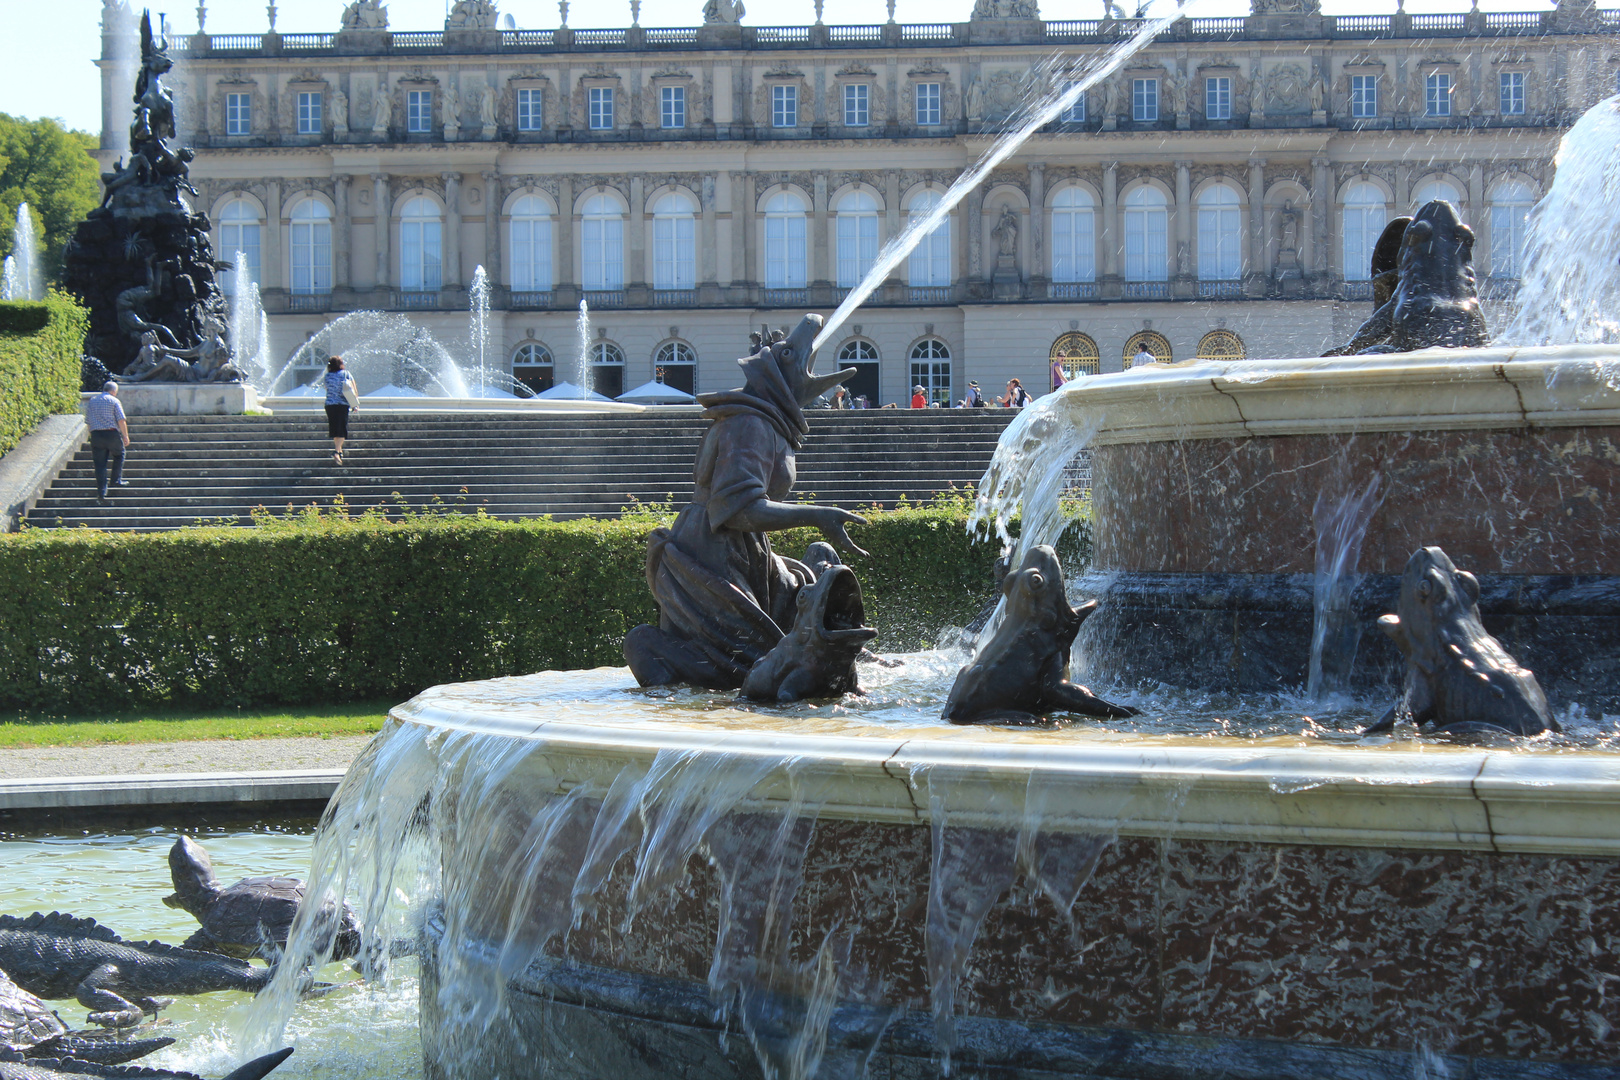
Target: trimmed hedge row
329 610
41 348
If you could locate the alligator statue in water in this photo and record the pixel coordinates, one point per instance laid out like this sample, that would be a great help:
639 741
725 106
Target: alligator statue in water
1022 672
28 1027
1459 679
58 956
14 1067
250 918
1435 302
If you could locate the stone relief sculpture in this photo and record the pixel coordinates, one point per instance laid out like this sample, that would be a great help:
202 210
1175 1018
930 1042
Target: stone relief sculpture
1006 233
486 111
471 15
725 598
1286 7
340 112
1286 90
1005 9
382 109
1318 94
723 11
975 100
365 15
1175 94
452 111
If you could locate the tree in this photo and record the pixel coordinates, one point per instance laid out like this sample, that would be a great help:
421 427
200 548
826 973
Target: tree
49 168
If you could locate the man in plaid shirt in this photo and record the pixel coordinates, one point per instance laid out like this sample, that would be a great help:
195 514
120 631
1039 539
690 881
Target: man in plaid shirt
109 435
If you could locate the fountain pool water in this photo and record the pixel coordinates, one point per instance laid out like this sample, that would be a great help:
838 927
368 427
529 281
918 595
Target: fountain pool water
24 273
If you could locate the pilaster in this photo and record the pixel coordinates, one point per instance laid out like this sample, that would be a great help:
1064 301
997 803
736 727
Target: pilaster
342 229
1038 270
492 227
453 277
381 211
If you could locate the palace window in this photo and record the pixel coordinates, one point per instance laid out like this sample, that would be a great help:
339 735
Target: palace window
1074 244
421 233
1077 354
1363 97
931 370
784 241
1436 189
784 106
238 114
861 355
418 111
601 108
930 262
1151 340
675 365
1218 98
672 106
1510 85
529 245
607 369
309 114
239 232
1363 222
856 113
1144 100
602 244
530 110
857 237
1146 235
1437 94
1510 214
532 366
674 242
928 109
1221 345
310 239
1076 112
1220 234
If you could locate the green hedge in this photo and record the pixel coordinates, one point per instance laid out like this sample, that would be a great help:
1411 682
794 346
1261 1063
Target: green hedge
330 610
41 350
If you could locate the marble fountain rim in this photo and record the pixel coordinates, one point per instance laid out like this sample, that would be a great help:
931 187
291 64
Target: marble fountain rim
1396 794
1429 390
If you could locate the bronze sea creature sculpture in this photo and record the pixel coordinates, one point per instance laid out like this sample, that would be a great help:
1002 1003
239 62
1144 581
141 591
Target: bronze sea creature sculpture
724 596
14 1067
817 656
1459 679
1021 673
29 1028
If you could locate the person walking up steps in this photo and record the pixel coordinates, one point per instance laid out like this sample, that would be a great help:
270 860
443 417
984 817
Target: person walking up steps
342 398
109 437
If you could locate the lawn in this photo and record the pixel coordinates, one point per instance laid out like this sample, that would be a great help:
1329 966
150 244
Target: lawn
168 725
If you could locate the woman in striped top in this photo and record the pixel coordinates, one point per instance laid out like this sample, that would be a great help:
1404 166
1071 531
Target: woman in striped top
341 398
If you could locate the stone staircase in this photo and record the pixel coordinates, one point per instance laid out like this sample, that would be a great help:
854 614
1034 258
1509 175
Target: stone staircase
217 469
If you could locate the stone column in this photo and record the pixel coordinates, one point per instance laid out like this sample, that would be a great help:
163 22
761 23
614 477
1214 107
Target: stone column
270 250
1037 222
1110 219
636 271
1184 216
492 227
1403 190
744 233
708 253
341 231
1321 214
819 223
893 221
452 275
1257 219
564 276
380 213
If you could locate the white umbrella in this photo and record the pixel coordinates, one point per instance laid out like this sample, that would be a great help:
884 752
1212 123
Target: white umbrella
657 393
569 392
390 390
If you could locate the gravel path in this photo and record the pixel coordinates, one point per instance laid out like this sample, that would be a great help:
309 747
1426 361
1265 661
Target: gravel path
202 756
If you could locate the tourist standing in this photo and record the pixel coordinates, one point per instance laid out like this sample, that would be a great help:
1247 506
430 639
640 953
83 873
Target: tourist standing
342 398
1058 378
1143 358
919 398
1017 397
109 436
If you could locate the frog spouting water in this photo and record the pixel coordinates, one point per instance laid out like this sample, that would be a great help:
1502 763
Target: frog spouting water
1459 679
1021 673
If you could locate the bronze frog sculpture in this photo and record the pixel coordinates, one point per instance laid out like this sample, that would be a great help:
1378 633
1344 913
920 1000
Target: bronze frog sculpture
817 656
1021 673
1459 679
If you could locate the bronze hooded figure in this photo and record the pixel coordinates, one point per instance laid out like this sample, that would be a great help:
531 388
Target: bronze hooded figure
725 599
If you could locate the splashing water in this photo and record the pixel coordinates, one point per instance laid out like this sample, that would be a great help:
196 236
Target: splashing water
380 347
250 328
1042 112
1341 523
24 273
11 284
581 375
1570 290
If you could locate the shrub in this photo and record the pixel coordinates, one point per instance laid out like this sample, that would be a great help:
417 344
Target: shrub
41 344
318 608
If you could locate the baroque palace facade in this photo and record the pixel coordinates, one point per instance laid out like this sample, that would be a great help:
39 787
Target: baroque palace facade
1219 195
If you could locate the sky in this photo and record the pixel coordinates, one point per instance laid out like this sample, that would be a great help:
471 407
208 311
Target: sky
48 50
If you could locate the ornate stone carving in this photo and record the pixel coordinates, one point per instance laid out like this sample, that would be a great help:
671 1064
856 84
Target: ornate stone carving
471 15
723 11
1286 7
365 15
1005 9
1287 90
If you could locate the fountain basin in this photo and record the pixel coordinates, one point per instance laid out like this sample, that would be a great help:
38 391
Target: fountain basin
1284 906
315 403
1210 477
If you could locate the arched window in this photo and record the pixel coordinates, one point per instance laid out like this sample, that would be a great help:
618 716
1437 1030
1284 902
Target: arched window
675 364
607 369
1510 213
239 230
602 246
1220 345
1436 189
930 262
533 367
1363 221
931 370
1220 234
311 242
674 243
784 241
857 237
863 357
530 245
1147 251
1077 353
420 240
1151 340
1074 236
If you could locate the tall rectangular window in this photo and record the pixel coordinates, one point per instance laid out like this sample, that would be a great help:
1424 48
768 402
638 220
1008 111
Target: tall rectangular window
1511 86
1363 97
1144 100
784 251
238 114
419 111
674 252
672 106
784 106
601 118
530 110
309 114
1076 112
855 111
1218 98
1437 94
928 111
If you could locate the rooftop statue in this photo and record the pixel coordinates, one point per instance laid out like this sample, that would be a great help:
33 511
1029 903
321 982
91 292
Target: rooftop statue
142 260
471 15
725 599
365 15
